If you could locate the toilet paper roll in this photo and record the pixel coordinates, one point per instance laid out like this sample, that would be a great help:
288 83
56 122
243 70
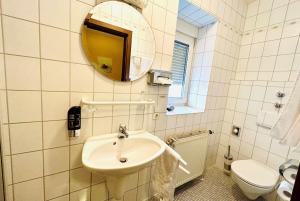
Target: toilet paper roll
290 175
285 191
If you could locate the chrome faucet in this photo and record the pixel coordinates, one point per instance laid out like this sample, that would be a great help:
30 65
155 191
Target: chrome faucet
122 131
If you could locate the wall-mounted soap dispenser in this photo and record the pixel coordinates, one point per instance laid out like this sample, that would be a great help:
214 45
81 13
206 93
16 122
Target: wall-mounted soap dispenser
74 121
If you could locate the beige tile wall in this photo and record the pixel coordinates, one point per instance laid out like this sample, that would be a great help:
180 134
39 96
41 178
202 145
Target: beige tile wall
43 72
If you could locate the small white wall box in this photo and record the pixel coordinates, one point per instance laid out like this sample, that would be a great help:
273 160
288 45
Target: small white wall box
159 77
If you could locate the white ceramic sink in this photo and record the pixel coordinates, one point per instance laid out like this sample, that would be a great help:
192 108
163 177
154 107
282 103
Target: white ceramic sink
102 154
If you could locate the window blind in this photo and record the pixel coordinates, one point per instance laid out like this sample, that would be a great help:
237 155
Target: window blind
179 62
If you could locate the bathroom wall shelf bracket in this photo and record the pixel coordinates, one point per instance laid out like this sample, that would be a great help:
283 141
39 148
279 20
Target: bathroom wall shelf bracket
97 103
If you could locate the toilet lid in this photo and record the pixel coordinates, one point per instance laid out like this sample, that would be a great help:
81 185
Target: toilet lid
255 173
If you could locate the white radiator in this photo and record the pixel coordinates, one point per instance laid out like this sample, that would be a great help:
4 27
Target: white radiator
193 149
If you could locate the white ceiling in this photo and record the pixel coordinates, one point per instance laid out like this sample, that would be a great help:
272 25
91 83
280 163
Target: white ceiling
193 14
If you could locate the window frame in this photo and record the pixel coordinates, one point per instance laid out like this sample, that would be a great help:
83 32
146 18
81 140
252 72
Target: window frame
190 41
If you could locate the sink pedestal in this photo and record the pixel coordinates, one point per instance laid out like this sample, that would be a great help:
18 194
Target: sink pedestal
116 186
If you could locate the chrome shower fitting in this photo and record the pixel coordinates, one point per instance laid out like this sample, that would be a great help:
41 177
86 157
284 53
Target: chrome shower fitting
278 106
288 170
280 94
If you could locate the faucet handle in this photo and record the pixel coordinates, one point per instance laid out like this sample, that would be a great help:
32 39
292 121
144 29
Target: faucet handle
122 131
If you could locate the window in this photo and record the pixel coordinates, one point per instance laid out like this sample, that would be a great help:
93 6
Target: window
179 64
182 56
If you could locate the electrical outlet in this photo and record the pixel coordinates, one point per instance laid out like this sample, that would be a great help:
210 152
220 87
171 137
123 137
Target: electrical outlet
155 116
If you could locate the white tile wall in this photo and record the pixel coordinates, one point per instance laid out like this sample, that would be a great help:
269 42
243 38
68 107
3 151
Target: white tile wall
43 72
55 43
55 75
20 37
25 10
56 185
20 78
61 19
26 137
29 190
27 166
22 103
265 66
202 66
56 160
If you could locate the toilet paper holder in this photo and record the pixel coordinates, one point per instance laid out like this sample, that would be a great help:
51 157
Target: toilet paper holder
284 190
291 164
288 171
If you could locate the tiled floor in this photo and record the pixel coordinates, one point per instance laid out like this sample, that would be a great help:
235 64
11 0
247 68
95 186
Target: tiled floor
215 186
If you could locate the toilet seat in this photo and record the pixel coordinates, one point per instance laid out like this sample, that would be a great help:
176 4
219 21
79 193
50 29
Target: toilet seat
250 184
255 173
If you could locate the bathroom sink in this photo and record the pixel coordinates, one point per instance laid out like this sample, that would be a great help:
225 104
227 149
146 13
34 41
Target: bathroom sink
108 155
116 158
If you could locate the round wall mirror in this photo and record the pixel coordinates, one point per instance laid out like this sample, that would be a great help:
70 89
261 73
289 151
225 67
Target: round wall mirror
118 41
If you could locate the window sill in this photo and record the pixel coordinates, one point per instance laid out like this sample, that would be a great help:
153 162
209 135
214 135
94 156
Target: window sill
184 110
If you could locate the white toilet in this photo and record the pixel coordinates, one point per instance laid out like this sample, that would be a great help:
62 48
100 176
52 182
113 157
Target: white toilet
253 178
